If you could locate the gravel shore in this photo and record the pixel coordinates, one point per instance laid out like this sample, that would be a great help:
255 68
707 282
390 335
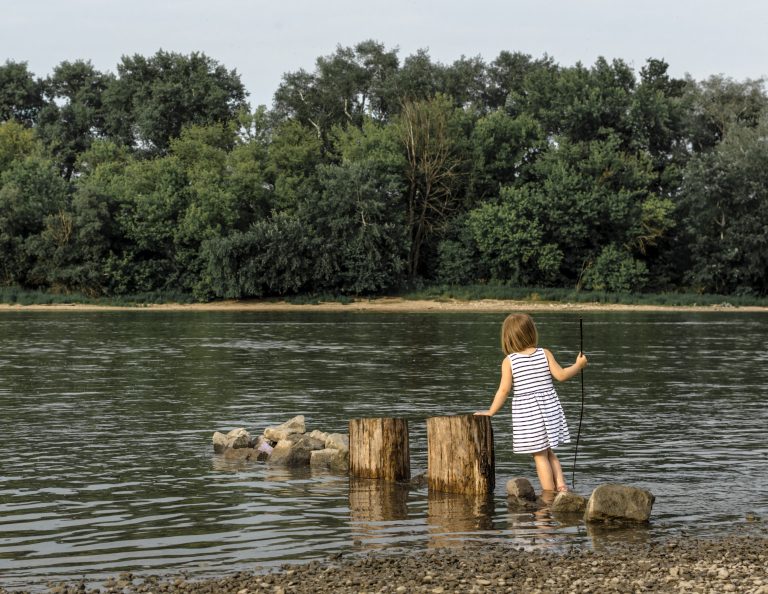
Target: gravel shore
730 564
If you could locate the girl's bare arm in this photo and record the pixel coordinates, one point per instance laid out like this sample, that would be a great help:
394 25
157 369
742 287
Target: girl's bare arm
561 374
501 394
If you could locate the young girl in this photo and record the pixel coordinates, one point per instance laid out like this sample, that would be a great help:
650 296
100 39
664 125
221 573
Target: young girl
538 422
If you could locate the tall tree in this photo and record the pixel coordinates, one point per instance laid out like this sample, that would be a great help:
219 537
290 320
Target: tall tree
427 131
73 115
152 99
21 95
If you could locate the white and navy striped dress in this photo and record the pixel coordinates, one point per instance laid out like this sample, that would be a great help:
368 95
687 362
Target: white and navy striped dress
538 421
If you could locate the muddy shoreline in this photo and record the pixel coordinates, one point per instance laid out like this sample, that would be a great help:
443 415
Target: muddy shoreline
726 564
391 305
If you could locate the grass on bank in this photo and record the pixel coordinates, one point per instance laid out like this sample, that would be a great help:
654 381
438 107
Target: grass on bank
18 296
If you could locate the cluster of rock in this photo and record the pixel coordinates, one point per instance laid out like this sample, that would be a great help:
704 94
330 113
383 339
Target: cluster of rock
288 444
609 502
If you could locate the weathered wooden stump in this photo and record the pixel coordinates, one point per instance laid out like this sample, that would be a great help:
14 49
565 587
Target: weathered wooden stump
460 457
378 448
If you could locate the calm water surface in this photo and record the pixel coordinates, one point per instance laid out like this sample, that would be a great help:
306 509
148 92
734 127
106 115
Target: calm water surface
106 422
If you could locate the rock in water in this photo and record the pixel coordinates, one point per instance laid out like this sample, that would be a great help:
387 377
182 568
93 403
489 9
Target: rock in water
521 488
569 502
235 439
295 453
337 441
295 425
611 502
337 460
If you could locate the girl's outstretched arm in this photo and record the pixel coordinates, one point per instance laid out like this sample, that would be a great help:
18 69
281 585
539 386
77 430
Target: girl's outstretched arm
561 374
501 394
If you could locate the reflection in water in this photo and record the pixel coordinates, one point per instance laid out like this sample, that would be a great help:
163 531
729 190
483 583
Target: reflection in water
374 506
452 516
372 500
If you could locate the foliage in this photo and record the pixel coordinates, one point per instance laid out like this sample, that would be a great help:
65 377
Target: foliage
373 173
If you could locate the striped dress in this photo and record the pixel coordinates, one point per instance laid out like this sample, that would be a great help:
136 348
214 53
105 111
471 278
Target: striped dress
538 421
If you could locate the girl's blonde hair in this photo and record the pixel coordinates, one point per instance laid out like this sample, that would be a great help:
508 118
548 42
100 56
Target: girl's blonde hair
518 332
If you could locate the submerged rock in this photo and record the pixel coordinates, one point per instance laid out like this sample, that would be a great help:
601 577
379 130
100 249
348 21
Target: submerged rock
615 502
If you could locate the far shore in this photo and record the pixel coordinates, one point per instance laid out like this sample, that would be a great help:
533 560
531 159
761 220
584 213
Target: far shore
389 305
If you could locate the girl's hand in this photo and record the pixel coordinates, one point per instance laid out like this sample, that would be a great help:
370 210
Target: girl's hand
582 360
483 413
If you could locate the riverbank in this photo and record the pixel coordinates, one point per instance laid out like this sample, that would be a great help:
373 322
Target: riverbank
728 564
388 304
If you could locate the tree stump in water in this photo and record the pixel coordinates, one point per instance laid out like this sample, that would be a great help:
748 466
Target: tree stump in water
460 457
378 448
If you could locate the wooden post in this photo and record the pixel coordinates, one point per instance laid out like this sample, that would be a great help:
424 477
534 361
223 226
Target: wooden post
460 457
378 448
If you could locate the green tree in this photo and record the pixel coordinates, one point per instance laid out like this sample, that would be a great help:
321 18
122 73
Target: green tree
345 87
16 143
31 194
73 115
430 135
152 99
725 205
21 95
358 229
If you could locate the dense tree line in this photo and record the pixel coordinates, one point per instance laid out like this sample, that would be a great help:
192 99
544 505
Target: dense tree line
371 174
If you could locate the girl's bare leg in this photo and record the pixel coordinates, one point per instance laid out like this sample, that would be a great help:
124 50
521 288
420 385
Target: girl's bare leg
557 470
544 470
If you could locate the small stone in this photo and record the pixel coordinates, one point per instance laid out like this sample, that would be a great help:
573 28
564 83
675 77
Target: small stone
521 488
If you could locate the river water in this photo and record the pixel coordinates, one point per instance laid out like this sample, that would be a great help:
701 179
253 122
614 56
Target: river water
106 421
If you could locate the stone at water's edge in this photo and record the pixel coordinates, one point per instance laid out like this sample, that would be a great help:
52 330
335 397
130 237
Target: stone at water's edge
521 488
614 502
569 502
337 460
294 425
290 452
337 441
235 439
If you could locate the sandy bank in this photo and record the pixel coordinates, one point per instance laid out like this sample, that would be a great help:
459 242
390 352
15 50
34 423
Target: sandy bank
388 304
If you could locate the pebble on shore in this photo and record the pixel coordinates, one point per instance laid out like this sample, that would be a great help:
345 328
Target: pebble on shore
728 564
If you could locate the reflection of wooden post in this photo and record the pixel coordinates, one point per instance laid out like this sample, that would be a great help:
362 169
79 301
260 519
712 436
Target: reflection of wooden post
378 448
460 456
377 501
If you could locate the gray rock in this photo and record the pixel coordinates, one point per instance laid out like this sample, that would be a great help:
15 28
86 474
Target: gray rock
235 439
294 425
321 435
336 460
569 502
615 502
219 442
295 451
337 441
521 488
